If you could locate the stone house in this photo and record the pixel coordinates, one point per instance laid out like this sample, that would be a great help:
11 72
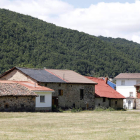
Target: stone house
70 88
106 96
15 97
24 96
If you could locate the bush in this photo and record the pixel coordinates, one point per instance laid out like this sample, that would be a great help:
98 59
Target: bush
101 108
110 109
76 109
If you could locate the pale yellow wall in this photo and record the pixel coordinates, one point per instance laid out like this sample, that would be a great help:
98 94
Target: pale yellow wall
16 75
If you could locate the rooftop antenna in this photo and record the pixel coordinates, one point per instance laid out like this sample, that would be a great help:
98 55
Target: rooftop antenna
64 76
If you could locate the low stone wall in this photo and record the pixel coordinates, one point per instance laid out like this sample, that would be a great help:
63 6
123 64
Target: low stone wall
138 104
43 109
17 103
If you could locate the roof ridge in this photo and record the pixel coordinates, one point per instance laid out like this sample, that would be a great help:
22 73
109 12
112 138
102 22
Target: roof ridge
30 68
56 75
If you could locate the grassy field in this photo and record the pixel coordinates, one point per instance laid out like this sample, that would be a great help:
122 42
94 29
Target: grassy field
115 125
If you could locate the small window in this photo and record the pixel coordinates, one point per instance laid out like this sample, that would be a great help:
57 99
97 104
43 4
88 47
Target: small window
74 105
60 92
45 84
123 82
59 85
104 99
6 106
22 105
42 98
81 94
115 102
131 94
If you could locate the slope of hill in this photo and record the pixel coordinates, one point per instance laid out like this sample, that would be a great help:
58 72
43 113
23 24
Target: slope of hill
128 47
30 42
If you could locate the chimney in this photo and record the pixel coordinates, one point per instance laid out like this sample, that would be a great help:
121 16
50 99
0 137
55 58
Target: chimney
106 79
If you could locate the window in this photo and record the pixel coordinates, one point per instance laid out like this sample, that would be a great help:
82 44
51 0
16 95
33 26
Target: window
115 102
45 84
104 99
123 82
131 94
81 94
22 105
42 98
60 92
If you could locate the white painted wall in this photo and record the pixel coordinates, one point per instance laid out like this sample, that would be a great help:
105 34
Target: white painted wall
48 99
126 89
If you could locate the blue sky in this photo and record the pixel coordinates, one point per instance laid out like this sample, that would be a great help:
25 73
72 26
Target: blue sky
87 3
117 18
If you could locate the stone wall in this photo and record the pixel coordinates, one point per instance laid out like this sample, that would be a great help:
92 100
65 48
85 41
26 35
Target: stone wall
43 109
117 103
114 103
18 103
138 104
71 95
99 102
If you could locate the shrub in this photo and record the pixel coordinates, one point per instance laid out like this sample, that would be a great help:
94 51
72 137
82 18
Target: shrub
101 108
76 109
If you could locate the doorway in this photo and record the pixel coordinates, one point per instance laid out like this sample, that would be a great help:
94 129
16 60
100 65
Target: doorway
129 104
55 101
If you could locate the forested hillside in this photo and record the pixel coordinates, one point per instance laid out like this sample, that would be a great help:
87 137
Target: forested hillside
30 42
128 47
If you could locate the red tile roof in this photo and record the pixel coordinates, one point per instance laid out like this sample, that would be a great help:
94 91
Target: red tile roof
34 86
20 88
104 90
10 88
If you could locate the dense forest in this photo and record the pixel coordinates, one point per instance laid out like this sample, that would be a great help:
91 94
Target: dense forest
29 42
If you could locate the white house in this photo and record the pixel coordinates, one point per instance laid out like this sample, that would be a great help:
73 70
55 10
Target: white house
126 85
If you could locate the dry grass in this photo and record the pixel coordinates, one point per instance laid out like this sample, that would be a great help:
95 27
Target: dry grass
70 126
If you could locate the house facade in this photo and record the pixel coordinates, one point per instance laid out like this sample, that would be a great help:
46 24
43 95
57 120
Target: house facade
106 96
128 84
70 88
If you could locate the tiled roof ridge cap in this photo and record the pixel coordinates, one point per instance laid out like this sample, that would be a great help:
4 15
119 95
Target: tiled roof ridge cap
89 77
58 69
55 75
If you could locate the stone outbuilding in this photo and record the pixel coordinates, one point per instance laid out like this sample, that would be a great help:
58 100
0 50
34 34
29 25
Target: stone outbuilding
70 88
24 96
106 96
15 97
